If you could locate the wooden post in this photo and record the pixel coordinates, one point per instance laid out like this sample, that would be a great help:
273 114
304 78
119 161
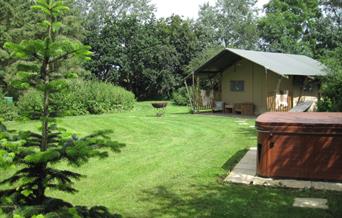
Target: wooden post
266 90
189 96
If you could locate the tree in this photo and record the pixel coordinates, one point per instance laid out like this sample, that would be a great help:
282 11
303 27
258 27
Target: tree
148 57
329 35
232 23
18 22
13 15
33 152
290 26
96 12
331 89
206 22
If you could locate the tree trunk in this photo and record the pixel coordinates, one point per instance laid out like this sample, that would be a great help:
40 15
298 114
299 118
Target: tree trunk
40 195
44 72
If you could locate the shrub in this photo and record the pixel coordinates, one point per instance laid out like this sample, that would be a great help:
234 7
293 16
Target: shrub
331 89
70 102
331 92
79 98
104 97
8 111
180 97
30 104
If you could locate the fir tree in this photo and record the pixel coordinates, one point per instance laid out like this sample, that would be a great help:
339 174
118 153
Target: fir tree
34 153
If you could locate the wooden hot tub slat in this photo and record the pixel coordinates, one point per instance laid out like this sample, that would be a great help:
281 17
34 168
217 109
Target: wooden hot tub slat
300 145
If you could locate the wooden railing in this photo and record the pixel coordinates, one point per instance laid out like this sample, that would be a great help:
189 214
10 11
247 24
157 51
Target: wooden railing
198 108
271 103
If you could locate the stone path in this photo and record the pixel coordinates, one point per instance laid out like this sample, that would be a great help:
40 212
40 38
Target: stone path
311 203
245 173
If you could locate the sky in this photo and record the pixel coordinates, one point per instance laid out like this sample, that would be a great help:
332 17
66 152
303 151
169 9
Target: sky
187 8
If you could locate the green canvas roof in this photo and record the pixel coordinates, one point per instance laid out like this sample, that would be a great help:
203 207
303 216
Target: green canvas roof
283 64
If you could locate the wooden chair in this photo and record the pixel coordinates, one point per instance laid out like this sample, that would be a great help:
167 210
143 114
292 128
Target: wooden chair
218 106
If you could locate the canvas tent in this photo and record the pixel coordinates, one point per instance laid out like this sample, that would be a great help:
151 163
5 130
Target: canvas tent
263 78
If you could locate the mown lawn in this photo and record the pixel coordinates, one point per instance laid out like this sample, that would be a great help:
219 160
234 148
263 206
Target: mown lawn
173 166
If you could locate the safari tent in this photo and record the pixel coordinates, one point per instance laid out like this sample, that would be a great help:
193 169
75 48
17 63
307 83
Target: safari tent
263 80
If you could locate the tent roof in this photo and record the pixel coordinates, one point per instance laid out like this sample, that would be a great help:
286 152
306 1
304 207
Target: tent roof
283 64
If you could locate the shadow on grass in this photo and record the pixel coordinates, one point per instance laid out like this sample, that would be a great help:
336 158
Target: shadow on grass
233 160
219 199
53 207
229 200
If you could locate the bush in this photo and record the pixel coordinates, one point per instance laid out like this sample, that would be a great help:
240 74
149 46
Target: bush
79 98
30 104
180 97
103 97
71 102
331 89
8 111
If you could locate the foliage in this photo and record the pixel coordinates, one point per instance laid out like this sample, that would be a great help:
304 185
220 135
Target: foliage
329 34
8 111
52 208
301 27
30 104
331 89
148 57
96 12
78 98
35 153
180 97
18 22
13 15
231 23
102 97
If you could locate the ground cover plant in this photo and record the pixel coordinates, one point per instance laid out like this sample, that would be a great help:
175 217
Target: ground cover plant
173 166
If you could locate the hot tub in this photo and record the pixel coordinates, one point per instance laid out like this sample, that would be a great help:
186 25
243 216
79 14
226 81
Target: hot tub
300 145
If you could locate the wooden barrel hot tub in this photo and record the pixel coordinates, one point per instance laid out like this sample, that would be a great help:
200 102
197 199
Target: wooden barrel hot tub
300 145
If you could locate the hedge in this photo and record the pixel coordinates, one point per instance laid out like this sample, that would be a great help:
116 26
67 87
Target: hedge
79 98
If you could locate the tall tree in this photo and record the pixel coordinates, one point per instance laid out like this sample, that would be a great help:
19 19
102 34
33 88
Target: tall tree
18 22
329 25
148 57
34 152
96 12
290 26
232 23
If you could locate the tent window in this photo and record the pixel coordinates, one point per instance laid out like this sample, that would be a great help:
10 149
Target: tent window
237 85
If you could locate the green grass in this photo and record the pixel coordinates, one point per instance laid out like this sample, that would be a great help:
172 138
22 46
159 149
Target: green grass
173 166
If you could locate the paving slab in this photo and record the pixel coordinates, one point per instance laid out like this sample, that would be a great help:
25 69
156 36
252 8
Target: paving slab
292 183
240 178
311 203
245 173
245 165
327 186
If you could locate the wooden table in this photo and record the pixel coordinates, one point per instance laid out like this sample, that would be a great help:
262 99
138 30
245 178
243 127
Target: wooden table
244 108
228 108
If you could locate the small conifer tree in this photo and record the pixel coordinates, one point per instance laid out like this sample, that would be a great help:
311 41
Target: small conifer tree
34 153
